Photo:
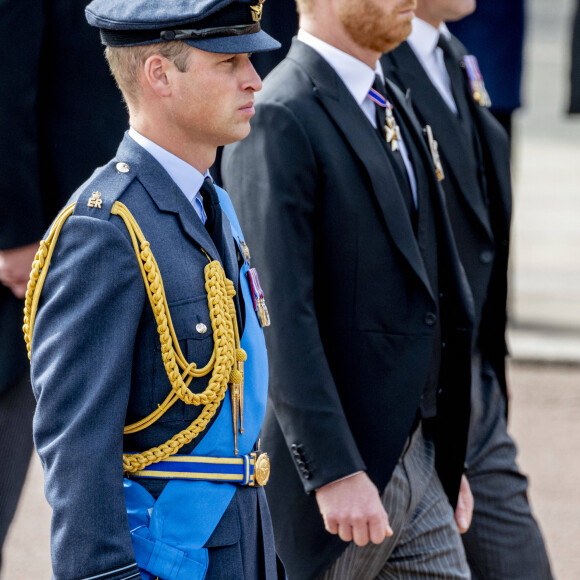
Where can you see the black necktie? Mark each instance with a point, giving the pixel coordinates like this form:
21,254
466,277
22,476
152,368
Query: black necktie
399,166
213,211
457,77
213,224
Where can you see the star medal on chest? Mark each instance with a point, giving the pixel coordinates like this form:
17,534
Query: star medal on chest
478,90
392,130
258,297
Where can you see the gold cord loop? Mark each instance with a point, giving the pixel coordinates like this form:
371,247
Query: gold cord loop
225,364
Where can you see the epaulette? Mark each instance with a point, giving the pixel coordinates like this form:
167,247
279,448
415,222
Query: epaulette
99,193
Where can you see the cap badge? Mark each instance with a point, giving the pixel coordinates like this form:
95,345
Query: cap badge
257,11
95,200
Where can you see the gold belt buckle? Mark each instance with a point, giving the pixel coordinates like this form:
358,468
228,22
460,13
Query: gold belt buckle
261,469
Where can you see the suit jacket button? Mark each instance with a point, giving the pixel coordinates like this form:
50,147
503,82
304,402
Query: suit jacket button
486,257
430,319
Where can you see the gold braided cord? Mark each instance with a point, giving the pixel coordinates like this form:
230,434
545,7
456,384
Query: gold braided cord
222,364
38,275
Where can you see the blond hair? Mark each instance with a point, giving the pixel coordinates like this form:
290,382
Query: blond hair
125,63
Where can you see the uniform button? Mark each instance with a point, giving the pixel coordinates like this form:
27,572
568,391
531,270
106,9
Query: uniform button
307,475
430,319
122,167
293,446
443,344
486,257
439,391
201,328
301,464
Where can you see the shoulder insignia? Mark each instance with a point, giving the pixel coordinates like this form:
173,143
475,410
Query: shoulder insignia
95,200
96,197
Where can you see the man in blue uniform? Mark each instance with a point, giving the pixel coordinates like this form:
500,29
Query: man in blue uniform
143,318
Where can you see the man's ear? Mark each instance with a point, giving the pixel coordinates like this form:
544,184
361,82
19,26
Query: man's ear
155,71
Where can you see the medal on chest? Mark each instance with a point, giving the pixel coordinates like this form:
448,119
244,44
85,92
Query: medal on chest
478,90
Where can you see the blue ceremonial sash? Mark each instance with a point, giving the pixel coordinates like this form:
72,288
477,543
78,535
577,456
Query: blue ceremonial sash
169,534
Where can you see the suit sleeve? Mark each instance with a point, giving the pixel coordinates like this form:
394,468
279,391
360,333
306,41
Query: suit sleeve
275,182
82,353
21,32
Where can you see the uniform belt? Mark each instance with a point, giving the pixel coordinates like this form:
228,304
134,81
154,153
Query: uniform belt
252,469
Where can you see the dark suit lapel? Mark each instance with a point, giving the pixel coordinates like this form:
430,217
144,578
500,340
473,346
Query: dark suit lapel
364,141
498,155
403,66
495,143
165,193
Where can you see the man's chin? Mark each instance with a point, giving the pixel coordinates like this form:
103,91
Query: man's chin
242,133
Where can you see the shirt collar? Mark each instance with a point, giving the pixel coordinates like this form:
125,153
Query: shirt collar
424,37
355,74
186,177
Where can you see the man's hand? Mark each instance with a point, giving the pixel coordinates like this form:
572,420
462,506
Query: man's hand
15,266
352,508
464,509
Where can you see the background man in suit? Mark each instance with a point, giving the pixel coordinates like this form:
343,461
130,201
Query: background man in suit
133,310
504,540
365,289
60,115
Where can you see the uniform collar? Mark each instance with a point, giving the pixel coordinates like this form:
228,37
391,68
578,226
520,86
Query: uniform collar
186,177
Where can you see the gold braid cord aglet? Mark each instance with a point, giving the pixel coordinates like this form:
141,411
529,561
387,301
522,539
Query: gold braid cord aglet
225,364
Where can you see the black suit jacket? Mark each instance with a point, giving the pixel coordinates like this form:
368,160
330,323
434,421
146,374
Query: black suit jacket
350,298
480,214
60,116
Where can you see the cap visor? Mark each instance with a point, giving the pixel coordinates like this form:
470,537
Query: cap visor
257,42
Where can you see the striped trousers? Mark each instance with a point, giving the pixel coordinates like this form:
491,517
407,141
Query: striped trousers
426,543
504,540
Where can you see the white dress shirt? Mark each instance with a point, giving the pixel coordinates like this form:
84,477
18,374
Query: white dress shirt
423,40
185,176
358,79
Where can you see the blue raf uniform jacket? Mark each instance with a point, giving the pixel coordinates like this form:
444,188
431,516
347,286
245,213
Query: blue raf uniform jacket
97,366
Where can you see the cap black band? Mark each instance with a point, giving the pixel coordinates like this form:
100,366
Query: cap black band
210,32
135,37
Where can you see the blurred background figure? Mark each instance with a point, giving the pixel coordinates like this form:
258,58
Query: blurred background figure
281,21
494,33
574,105
59,113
